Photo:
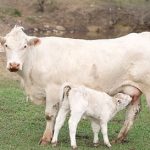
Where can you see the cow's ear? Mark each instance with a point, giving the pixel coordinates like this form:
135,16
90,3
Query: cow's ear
2,40
34,41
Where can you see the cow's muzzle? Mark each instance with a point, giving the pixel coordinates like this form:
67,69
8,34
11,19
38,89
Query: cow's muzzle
14,67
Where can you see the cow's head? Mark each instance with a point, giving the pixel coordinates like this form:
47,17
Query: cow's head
122,100
17,44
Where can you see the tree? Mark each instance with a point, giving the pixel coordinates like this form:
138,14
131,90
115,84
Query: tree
41,4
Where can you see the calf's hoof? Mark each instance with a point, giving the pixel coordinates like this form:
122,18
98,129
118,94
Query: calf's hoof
74,147
96,144
108,145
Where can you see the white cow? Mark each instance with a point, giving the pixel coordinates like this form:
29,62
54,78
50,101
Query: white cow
80,102
107,65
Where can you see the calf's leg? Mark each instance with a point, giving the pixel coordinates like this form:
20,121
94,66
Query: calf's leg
95,127
59,122
105,134
73,122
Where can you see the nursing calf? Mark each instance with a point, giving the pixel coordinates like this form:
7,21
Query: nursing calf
82,101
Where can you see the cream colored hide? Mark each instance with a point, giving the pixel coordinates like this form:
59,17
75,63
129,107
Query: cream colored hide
107,65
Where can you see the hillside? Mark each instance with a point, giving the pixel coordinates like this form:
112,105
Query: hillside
75,18
88,19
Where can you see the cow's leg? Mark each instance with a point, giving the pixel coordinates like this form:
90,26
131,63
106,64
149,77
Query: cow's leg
51,110
147,95
95,128
50,121
132,111
47,136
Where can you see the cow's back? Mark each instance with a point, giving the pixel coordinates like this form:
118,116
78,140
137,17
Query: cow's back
99,64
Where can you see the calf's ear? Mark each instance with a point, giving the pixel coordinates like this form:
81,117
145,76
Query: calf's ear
2,40
34,41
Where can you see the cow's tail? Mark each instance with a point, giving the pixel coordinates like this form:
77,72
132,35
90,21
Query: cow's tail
65,91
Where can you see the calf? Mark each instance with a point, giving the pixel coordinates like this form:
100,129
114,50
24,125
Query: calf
85,102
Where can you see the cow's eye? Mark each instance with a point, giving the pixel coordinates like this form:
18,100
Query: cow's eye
6,45
119,101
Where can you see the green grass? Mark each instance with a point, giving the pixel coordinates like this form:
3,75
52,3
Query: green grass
14,12
22,125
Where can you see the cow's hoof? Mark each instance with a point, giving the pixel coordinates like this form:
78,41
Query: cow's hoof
123,141
54,144
95,144
44,141
117,141
114,141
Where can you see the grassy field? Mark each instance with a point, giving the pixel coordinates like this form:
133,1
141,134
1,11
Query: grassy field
22,124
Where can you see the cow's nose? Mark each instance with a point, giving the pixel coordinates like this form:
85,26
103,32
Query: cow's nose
14,67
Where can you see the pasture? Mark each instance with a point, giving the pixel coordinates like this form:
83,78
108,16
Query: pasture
22,125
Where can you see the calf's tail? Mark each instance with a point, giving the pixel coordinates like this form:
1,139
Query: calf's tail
65,91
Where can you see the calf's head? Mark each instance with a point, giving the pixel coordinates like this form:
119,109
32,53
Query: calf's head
17,45
122,100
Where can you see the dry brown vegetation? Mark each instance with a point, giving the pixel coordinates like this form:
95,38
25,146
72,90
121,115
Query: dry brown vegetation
80,18
88,19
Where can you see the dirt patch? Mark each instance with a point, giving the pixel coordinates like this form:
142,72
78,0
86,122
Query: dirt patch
81,19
